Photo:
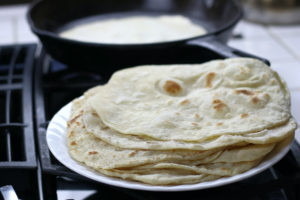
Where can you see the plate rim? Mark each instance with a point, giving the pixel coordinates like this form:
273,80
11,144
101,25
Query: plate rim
60,119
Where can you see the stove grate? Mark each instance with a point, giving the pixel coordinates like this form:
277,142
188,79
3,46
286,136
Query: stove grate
17,148
18,161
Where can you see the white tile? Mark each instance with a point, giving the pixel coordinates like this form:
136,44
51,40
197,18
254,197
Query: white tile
296,110
293,61
290,72
5,24
297,135
22,25
251,30
296,104
12,11
6,31
6,40
285,31
267,48
26,38
293,43
24,34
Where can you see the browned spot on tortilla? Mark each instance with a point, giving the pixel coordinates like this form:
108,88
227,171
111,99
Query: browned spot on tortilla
177,113
194,124
244,115
273,81
218,105
243,71
133,153
94,114
76,117
267,96
104,128
78,123
73,143
168,123
71,134
185,102
197,116
209,78
217,101
172,87
219,124
244,91
265,76
93,152
148,143
255,100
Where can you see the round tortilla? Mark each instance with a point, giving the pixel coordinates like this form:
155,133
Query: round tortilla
135,29
194,102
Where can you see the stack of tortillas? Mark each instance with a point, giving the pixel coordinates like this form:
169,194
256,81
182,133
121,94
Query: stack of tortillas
181,124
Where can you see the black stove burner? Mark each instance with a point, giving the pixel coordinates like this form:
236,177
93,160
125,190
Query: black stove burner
38,175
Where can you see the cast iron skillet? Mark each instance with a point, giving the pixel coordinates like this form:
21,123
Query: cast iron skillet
219,17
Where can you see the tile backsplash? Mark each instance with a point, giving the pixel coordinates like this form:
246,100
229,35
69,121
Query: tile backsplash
13,25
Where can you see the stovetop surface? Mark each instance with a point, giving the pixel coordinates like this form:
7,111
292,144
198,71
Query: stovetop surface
33,88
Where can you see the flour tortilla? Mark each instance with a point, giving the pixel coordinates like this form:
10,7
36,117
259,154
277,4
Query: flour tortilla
161,179
95,125
135,29
238,96
174,174
218,169
85,147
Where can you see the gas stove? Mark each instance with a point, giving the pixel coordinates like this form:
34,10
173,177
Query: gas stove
33,87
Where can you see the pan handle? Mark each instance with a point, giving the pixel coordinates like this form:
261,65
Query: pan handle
213,44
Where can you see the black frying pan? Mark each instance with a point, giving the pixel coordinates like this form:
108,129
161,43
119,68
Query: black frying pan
219,17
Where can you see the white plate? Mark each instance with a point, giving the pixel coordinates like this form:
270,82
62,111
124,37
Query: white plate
57,142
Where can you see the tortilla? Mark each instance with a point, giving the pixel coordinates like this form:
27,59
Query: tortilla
95,126
135,29
194,102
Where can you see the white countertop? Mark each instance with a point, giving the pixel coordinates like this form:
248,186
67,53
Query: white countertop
279,44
